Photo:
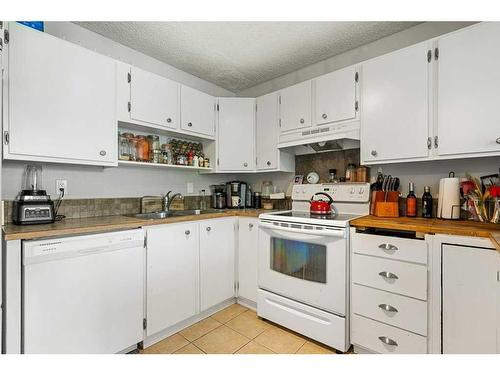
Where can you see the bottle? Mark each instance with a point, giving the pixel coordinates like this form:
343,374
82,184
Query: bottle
203,202
411,201
333,175
427,203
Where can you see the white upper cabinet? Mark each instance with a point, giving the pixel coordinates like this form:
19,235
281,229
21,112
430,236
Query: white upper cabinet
395,106
217,261
335,96
236,134
468,110
296,106
197,111
59,100
154,99
267,132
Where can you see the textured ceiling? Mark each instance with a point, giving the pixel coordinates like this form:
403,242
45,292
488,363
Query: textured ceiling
239,55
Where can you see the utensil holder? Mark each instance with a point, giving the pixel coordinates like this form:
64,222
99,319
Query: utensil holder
385,204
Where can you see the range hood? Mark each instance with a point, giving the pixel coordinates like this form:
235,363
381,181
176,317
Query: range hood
321,139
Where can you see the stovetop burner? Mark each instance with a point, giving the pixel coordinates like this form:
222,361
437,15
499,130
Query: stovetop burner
308,215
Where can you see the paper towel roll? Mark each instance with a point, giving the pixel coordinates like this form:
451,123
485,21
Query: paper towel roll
449,198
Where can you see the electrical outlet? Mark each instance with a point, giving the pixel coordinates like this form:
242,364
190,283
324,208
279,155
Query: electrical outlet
62,184
190,188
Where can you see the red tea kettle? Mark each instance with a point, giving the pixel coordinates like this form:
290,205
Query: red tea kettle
321,207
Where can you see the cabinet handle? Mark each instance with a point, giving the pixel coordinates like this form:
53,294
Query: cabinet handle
374,153
301,120
190,124
268,163
169,120
436,141
386,307
388,275
498,140
429,143
187,232
250,225
102,153
388,341
324,116
209,229
387,246
245,164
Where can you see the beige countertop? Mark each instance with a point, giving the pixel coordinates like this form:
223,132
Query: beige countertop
433,226
107,223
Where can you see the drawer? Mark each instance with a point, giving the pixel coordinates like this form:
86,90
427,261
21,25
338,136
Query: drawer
391,275
385,339
402,312
390,247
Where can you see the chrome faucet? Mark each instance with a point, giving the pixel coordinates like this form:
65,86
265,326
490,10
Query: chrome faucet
167,200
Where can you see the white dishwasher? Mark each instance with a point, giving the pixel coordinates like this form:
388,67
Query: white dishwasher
83,294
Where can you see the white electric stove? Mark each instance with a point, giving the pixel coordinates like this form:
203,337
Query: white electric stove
304,263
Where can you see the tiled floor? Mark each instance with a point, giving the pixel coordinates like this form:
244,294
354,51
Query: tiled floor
236,330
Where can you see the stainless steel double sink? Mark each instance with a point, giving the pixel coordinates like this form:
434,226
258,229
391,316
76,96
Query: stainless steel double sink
166,214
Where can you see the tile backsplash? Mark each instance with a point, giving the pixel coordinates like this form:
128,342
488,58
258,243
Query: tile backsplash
322,162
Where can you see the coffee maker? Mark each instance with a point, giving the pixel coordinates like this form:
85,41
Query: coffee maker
236,194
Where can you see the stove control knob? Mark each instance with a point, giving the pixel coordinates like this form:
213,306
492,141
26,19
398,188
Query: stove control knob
361,190
353,190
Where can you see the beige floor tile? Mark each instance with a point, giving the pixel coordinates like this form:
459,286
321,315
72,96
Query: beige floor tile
189,349
222,340
248,324
167,346
199,329
313,348
253,348
280,341
229,313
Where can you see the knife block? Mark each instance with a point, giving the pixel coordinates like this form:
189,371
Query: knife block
385,208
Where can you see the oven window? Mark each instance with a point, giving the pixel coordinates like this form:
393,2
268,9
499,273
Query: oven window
306,261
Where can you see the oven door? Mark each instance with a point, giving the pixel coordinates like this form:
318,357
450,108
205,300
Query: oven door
306,263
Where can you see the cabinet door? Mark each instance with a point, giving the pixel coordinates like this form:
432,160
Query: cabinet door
470,292
394,105
197,111
172,275
468,95
267,132
236,134
60,105
154,99
295,106
217,245
336,96
247,258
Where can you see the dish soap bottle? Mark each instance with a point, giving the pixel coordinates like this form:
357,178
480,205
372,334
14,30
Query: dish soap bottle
411,201
427,203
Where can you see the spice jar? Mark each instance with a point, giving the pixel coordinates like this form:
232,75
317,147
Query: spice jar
361,174
142,147
206,163
350,173
201,161
190,158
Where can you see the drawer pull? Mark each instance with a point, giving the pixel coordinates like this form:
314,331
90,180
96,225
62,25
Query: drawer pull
388,341
386,307
387,246
388,275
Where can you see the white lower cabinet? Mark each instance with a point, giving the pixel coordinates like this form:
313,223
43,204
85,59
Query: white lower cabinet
247,258
217,261
470,300
172,275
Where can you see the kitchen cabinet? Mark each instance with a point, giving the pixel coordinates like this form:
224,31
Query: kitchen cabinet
58,100
154,99
296,107
172,274
217,261
470,300
197,111
395,106
236,135
247,258
267,132
468,114
335,96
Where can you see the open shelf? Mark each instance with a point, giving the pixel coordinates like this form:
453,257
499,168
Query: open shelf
158,165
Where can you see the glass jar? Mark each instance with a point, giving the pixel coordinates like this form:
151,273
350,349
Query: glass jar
267,189
167,154
133,148
142,147
157,157
154,143
123,146
350,173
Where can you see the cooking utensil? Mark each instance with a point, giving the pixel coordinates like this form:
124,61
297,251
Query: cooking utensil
320,207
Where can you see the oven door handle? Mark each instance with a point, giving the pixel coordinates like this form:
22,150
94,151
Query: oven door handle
320,233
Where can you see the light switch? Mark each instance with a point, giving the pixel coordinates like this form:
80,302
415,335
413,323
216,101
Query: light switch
190,188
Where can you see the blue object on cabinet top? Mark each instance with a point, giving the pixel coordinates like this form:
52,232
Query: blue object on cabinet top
37,25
